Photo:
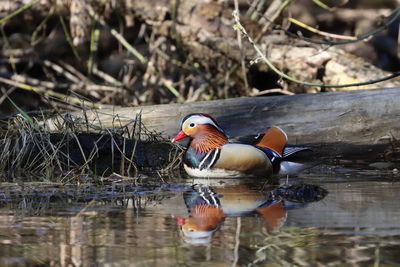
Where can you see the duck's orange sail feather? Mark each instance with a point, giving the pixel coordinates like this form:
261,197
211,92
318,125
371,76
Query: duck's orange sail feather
274,138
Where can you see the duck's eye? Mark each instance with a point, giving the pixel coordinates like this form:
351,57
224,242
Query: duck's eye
191,125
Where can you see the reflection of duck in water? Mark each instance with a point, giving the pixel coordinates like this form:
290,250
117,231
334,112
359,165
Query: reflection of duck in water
208,207
274,215
206,215
203,221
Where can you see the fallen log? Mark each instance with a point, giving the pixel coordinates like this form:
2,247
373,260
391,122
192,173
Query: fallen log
363,117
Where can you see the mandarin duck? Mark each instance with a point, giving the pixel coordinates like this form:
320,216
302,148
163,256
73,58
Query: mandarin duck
210,153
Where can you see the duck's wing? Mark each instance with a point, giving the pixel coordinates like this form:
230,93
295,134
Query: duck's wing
274,139
292,149
246,139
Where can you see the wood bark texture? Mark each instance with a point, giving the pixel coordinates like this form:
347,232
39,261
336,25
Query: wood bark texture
364,117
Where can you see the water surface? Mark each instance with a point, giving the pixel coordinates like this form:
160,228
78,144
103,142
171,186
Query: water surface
221,224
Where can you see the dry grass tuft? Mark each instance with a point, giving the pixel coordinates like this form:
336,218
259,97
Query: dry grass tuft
79,151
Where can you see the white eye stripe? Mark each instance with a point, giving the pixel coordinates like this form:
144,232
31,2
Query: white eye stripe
200,120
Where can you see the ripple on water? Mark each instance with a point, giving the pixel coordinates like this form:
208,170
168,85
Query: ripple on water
356,222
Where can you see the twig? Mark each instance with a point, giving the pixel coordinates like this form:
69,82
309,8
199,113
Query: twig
41,26
71,74
16,12
92,63
242,56
136,53
38,90
240,27
237,241
394,16
58,69
273,91
74,71
69,39
327,34
43,85
7,44
106,77
322,5
77,81
104,88
91,203
274,11
94,44
6,94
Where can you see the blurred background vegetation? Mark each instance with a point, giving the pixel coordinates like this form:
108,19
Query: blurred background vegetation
56,55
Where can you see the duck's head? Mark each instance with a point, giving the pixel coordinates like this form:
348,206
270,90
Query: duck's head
198,124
